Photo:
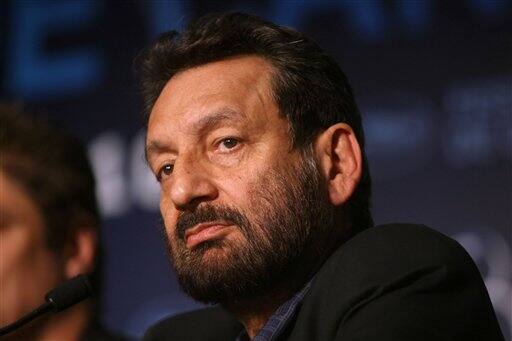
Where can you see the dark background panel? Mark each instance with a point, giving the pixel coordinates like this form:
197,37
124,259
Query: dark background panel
433,80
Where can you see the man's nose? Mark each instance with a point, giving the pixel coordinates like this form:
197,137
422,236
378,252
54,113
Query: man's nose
191,185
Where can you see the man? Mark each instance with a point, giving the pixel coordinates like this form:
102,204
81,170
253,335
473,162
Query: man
48,228
256,140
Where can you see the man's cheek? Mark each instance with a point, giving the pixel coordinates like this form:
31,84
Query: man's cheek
164,203
170,230
169,227
169,215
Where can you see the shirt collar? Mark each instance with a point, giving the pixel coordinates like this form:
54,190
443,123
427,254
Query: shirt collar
279,320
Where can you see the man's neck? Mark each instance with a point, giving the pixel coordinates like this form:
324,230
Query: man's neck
254,313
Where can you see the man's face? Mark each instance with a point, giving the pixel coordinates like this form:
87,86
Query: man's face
28,269
239,205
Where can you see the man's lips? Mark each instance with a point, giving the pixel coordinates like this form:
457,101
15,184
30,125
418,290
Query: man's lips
204,232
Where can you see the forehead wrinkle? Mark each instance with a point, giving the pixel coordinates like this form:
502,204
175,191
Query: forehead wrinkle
213,120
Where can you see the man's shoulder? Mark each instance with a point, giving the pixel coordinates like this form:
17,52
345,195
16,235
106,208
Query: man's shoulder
388,252
212,323
418,242
398,282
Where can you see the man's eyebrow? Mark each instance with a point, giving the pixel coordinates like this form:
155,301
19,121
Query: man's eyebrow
153,147
201,126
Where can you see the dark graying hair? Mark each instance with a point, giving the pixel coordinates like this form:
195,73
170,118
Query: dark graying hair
309,87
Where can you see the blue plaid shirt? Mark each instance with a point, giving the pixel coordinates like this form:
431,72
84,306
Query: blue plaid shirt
279,320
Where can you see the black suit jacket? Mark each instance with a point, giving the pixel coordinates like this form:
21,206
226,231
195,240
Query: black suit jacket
387,283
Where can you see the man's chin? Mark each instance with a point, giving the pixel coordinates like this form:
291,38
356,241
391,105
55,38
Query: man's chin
207,271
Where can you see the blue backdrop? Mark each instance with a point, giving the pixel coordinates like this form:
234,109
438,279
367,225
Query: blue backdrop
433,80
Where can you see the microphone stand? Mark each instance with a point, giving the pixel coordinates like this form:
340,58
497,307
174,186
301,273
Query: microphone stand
63,296
42,309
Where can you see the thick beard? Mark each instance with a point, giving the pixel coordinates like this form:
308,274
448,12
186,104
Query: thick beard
289,212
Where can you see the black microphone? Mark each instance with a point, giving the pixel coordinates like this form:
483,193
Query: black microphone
63,296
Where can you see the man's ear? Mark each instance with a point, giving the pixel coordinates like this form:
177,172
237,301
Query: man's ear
80,256
340,160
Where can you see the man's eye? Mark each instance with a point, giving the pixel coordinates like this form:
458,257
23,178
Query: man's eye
228,143
165,171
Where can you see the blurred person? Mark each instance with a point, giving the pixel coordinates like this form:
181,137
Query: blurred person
49,228
255,138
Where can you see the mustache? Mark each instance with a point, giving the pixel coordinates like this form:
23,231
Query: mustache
208,213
